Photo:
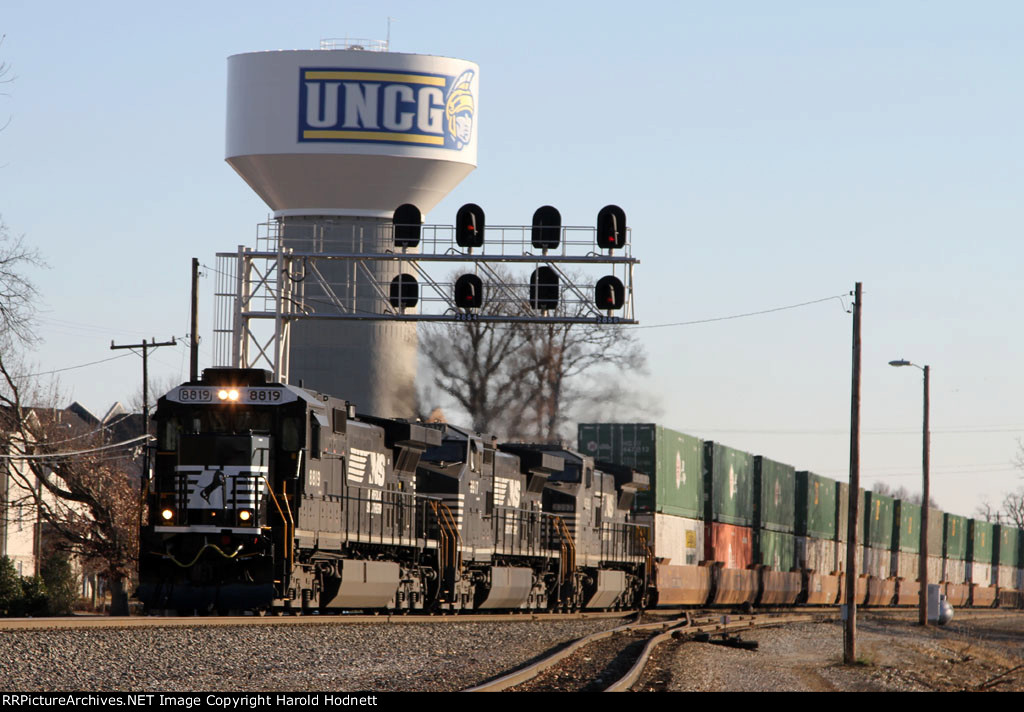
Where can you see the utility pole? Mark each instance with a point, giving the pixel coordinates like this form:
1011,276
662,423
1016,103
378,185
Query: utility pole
925,495
122,605
145,346
194,336
922,564
850,639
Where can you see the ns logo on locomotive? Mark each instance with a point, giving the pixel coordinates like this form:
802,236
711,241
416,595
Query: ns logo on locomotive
265,495
360,105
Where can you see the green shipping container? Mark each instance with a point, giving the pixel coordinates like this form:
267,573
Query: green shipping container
878,516
774,495
843,512
936,527
673,461
815,506
729,485
1008,541
907,520
775,549
956,537
980,544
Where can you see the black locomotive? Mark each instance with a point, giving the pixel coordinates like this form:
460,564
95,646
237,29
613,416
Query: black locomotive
268,496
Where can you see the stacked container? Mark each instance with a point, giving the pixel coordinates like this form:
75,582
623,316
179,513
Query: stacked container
980,555
672,507
878,547
774,526
842,525
954,554
878,543
936,542
906,520
728,522
817,541
1008,571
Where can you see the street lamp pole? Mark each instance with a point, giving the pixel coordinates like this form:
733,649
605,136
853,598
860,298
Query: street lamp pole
922,564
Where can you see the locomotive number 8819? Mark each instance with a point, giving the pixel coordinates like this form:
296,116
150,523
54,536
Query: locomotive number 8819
269,496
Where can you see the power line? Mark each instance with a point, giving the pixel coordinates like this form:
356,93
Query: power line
741,316
874,431
75,453
70,368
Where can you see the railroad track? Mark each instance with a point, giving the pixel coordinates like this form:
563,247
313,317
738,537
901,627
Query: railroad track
99,621
613,661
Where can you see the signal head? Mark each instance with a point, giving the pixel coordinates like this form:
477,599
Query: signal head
609,293
469,292
544,289
546,233
469,226
407,221
611,227
405,291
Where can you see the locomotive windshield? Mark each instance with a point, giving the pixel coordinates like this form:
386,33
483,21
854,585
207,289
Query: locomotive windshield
448,451
215,449
228,421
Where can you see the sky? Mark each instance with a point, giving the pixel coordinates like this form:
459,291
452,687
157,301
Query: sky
766,154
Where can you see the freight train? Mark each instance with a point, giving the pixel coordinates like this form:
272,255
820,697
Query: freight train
732,528
270,497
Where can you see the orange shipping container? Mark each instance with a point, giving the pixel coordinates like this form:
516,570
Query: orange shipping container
730,544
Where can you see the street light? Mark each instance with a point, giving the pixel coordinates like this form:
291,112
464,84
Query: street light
922,568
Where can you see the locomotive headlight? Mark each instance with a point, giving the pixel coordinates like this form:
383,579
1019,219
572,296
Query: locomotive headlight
167,514
222,394
245,515
228,395
233,395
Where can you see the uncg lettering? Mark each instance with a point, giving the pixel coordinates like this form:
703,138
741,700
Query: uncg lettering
374,106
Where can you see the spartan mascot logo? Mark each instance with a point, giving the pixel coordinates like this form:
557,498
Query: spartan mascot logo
458,109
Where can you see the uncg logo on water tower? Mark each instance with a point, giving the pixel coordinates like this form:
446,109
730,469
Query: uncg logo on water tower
360,105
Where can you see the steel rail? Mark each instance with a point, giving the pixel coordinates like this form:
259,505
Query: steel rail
728,623
103,621
529,672
688,625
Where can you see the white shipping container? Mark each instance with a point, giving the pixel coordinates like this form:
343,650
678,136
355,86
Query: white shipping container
979,573
954,571
679,539
817,555
906,565
877,562
841,556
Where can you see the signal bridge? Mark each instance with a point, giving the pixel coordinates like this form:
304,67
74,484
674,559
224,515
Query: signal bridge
542,273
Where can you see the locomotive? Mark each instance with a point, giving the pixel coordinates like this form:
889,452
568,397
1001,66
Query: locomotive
270,497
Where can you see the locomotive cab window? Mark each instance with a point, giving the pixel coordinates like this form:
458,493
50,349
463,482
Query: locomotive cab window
169,434
314,436
291,434
340,418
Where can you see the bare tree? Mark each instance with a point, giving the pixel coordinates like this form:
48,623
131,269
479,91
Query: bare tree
5,70
530,380
990,514
1012,510
573,367
902,493
473,363
77,484
18,295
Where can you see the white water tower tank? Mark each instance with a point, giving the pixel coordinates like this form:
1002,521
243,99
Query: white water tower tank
333,140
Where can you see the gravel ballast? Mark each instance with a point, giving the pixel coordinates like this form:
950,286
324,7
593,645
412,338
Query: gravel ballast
349,657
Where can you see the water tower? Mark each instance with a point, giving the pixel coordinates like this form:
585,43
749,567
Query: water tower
333,140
